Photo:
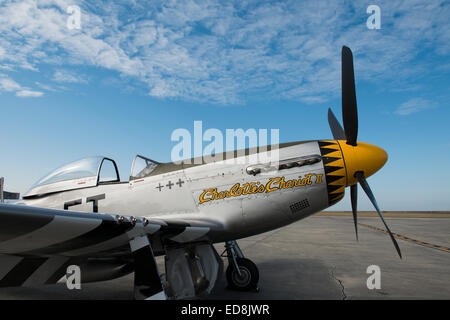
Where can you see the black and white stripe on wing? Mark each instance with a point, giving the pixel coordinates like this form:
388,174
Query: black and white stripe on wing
20,272
190,234
105,231
31,271
54,267
37,244
10,228
59,230
110,245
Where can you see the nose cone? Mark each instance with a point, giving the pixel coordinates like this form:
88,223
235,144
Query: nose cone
362,157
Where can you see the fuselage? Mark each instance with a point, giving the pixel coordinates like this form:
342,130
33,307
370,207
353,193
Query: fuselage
235,201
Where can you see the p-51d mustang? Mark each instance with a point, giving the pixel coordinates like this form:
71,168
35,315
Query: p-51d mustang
81,214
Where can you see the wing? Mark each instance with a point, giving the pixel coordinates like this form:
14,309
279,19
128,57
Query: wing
37,244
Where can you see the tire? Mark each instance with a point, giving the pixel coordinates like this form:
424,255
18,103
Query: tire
249,272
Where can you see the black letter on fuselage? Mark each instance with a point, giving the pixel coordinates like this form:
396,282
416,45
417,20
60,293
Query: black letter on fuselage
71,203
95,200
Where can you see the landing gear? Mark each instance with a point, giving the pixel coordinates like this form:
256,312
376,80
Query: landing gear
246,279
242,274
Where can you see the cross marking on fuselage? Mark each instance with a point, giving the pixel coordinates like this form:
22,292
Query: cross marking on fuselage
159,186
180,182
170,184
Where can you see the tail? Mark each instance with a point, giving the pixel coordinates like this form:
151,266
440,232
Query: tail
5,195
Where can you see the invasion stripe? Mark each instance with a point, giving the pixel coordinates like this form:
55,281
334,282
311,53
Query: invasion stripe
60,272
190,234
20,273
9,228
60,229
105,231
45,271
113,243
7,263
173,229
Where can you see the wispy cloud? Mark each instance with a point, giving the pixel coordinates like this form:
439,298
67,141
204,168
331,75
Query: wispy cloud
414,105
9,85
28,93
45,86
220,52
68,77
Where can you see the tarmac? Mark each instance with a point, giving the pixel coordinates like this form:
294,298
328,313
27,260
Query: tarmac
318,258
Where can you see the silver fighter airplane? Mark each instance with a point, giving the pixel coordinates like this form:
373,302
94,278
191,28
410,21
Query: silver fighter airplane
82,214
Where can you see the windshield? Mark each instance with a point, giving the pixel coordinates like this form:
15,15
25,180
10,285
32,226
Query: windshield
87,167
142,167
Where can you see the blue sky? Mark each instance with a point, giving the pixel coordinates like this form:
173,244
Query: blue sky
137,70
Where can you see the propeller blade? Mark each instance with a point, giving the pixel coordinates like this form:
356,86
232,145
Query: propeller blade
362,180
354,197
335,126
349,107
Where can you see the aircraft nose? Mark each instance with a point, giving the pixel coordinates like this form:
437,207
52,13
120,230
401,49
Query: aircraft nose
362,157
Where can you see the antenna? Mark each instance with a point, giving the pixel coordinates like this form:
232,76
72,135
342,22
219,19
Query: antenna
2,181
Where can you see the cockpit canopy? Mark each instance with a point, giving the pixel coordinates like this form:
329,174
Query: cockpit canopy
87,172
142,167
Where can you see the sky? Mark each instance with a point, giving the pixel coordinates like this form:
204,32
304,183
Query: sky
135,71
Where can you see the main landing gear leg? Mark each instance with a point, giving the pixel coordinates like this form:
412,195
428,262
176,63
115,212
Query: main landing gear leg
242,274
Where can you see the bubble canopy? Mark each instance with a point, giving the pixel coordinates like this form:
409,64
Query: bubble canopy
78,174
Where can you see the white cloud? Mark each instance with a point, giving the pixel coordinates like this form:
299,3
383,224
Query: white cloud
45,86
414,105
7,84
215,51
28,93
68,77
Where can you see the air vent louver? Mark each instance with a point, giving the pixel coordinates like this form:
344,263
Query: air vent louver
299,206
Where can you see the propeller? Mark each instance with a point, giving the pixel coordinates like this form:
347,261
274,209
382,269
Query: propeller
363,182
354,198
350,134
349,108
335,126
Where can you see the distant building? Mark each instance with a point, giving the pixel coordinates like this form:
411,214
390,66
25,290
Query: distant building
5,195
11,195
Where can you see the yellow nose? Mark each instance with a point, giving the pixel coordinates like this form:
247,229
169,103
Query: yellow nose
362,157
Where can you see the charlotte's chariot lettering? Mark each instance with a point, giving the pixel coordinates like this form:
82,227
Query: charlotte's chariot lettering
278,183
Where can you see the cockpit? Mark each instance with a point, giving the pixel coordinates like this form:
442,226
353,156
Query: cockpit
142,167
89,172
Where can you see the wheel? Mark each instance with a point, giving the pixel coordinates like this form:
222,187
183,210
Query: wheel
249,275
